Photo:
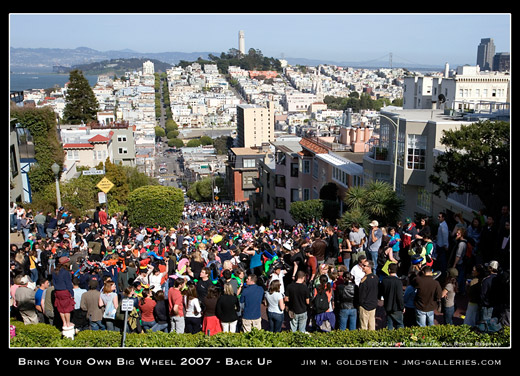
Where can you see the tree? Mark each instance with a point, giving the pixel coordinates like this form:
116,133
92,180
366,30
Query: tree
159,132
206,140
41,123
81,104
177,142
376,200
306,211
476,161
155,205
193,143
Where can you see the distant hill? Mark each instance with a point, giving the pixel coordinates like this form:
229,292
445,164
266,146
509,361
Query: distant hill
120,66
30,60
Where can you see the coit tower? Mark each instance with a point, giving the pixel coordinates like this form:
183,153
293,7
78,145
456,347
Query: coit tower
241,42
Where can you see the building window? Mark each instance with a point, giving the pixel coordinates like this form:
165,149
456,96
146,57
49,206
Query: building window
249,163
14,164
247,180
280,203
400,149
306,166
295,194
315,171
416,152
73,155
294,170
123,150
280,181
306,194
424,200
121,138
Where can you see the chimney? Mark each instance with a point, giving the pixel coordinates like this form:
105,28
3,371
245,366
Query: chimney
348,120
446,70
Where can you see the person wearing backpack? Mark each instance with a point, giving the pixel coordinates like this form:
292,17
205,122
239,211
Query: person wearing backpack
323,305
368,297
346,301
458,256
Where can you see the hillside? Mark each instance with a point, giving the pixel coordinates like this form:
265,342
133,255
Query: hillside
120,66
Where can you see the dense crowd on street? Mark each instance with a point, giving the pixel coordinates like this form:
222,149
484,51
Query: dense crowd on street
214,272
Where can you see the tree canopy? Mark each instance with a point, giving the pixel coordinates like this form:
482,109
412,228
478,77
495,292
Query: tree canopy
476,161
81,104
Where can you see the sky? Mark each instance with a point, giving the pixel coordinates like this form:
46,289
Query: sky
422,38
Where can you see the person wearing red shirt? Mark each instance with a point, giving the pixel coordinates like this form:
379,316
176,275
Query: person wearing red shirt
146,306
103,217
175,302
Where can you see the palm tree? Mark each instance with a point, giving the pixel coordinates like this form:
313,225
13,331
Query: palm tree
376,200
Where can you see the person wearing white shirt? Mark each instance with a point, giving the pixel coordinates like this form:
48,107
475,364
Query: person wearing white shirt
357,271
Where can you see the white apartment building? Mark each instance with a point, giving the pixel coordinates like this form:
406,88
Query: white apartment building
148,68
468,90
299,102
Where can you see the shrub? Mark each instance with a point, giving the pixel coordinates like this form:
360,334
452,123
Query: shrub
42,335
155,204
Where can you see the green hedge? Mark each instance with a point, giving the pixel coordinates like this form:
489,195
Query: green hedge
42,335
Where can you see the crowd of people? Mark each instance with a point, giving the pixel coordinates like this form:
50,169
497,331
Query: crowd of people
214,272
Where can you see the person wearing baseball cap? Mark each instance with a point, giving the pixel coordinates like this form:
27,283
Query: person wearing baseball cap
488,293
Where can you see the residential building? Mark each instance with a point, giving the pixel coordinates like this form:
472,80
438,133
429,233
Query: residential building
468,90
242,170
418,143
255,125
94,143
21,157
148,68
263,201
288,187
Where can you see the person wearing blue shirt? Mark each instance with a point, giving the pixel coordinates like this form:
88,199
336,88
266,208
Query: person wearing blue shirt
252,297
39,298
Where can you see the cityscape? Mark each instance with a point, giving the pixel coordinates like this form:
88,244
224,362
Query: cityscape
268,133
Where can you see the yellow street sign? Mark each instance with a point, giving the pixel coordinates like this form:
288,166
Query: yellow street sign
105,185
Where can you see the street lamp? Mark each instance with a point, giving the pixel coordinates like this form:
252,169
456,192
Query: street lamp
396,125
56,169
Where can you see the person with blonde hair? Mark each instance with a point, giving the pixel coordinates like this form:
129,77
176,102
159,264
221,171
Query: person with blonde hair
108,299
227,308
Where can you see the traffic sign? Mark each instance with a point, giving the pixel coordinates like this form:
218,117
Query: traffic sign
127,305
105,185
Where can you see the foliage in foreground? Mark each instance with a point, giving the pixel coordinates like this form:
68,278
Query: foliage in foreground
42,335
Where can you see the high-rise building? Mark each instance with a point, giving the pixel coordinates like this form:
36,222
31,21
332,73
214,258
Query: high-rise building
241,42
485,54
255,125
501,62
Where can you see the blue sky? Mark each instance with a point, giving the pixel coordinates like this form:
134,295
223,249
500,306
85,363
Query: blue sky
419,38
